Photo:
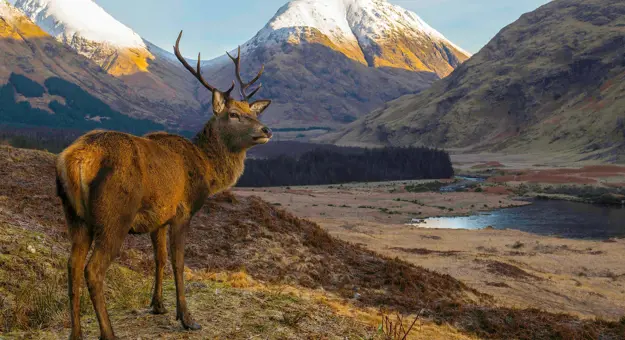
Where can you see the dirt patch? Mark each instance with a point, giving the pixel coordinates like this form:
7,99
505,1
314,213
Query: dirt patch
430,237
543,178
423,251
553,249
497,284
488,165
496,190
584,175
506,269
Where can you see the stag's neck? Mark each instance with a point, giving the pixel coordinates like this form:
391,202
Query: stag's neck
224,166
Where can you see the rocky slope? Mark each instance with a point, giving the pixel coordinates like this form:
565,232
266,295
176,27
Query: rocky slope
551,81
148,70
329,62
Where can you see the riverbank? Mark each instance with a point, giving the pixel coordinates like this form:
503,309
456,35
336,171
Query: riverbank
521,270
536,177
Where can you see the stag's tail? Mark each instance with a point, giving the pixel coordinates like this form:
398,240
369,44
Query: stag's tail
70,183
76,168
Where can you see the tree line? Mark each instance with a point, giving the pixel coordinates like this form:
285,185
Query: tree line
324,166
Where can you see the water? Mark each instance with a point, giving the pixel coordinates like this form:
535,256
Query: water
559,218
463,183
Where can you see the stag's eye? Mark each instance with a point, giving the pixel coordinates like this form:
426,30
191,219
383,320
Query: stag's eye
234,115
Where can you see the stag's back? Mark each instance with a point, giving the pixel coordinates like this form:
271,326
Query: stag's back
105,171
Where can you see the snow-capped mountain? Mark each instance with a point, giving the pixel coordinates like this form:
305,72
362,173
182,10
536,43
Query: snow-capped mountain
46,83
85,19
328,62
92,32
567,100
374,32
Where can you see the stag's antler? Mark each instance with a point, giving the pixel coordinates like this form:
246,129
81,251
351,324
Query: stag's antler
243,85
197,72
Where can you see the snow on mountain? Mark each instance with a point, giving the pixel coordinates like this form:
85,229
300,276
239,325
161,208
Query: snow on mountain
6,10
328,62
92,32
373,32
142,67
68,19
363,21
375,20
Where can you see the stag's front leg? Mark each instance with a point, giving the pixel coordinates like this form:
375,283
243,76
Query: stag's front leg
159,245
177,234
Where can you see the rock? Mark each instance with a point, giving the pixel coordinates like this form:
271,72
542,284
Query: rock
612,199
31,249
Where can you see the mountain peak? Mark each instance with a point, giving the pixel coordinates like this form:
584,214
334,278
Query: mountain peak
373,32
68,19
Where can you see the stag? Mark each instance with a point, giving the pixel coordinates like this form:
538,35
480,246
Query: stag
112,184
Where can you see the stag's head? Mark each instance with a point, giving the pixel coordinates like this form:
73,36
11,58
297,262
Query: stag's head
236,121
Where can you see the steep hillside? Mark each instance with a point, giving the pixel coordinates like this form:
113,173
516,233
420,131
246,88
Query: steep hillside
329,62
551,81
162,84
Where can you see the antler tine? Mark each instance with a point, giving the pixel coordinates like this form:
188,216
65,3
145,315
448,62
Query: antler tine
243,85
197,73
230,89
253,92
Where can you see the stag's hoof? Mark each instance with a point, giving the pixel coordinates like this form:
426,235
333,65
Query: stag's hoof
192,326
75,337
158,309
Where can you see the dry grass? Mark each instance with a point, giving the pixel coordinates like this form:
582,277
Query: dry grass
254,242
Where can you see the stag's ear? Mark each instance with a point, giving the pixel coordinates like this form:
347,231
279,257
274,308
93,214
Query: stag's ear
219,102
259,106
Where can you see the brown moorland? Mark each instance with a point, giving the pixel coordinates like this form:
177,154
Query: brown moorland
273,245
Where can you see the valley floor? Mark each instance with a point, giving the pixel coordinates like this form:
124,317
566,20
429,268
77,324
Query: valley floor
581,277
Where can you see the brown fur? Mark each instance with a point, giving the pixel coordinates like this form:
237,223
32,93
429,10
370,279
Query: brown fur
113,183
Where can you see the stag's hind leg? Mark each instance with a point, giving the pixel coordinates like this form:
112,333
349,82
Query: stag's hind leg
106,247
159,245
81,242
177,235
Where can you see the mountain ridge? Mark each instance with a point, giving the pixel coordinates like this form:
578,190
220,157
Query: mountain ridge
329,62
39,75
551,81
360,29
149,70
317,76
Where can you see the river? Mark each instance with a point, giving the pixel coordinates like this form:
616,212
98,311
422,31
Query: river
545,217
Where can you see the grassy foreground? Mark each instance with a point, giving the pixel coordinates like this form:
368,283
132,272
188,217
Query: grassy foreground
254,271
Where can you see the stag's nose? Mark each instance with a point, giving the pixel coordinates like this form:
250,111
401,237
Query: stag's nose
267,131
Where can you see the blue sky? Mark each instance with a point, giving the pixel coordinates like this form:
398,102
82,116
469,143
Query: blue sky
212,27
